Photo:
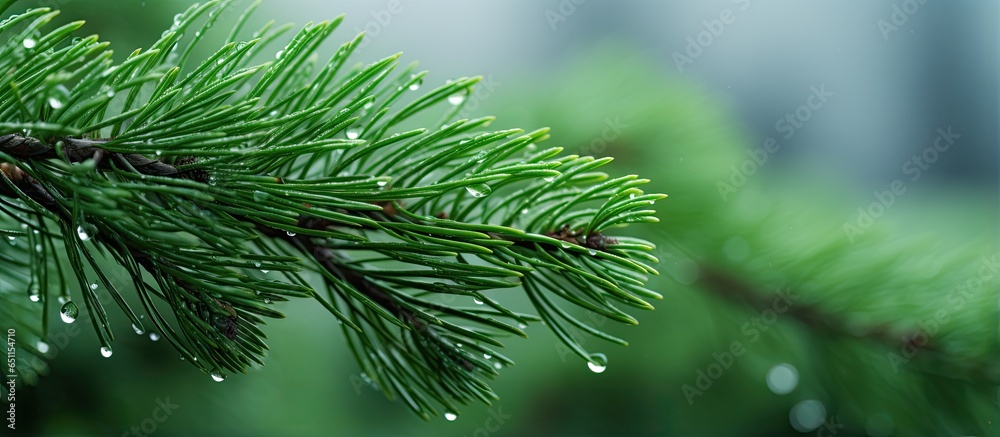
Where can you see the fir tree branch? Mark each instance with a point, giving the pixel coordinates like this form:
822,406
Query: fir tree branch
197,179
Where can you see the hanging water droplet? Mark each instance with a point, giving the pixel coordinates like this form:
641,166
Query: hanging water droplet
218,376
565,245
524,211
353,133
477,301
86,231
256,264
34,297
479,190
290,233
220,61
497,365
177,19
264,272
93,286
154,336
38,248
487,356
137,329
592,252
456,99
521,326
450,416
106,352
30,43
55,103
110,93
458,344
69,312
11,237
549,179
414,86
279,55
42,346
382,183
597,363
159,152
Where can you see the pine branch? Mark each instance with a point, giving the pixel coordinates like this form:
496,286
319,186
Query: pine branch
224,186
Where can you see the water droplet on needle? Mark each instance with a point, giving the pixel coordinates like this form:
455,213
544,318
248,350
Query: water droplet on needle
69,312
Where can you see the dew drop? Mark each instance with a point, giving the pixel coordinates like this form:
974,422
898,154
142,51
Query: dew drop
487,356
521,326
86,231
42,346
110,93
106,352
353,133
382,183
159,152
256,264
565,245
55,103
549,179
30,43
597,363
218,376
497,365
290,233
456,99
38,248
479,190
154,336
34,297
93,286
592,252
137,329
69,312
415,86
450,416
279,55
477,301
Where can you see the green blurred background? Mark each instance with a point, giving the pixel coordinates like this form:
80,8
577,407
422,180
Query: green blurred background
613,79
